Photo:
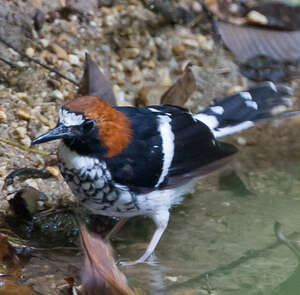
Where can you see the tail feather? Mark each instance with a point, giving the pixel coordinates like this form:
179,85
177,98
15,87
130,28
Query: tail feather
240,111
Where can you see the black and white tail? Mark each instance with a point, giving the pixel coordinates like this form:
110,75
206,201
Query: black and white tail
240,111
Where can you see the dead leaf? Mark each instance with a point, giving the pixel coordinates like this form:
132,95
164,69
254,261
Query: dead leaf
100,275
247,42
181,90
95,83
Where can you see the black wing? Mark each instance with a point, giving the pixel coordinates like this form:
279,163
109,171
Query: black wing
195,152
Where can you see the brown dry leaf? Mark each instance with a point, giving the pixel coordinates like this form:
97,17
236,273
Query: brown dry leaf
181,90
100,275
11,266
95,83
247,42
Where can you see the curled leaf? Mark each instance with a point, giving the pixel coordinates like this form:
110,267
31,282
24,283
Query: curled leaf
100,275
95,83
181,90
246,42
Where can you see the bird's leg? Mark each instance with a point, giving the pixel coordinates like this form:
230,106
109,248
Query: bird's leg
116,228
161,221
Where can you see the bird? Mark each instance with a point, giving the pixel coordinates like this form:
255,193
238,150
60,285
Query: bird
125,161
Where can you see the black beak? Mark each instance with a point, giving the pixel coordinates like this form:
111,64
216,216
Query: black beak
60,131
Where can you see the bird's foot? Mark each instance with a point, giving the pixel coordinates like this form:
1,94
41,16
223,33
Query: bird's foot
150,261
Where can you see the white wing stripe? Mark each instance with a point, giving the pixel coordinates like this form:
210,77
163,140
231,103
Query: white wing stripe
167,137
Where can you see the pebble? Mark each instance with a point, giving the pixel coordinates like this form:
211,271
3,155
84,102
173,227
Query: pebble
49,57
172,279
257,18
74,59
190,43
20,132
178,49
149,64
63,37
53,170
21,64
278,110
3,116
60,52
129,52
93,23
44,42
119,93
26,140
32,183
24,114
29,52
3,171
57,94
241,140
205,43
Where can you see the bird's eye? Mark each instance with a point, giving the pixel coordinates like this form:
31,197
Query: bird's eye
88,125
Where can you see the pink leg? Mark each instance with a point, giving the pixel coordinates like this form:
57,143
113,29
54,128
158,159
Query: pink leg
161,221
116,228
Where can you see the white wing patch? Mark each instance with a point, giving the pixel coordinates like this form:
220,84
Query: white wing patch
210,121
232,129
246,95
69,118
167,137
218,110
251,104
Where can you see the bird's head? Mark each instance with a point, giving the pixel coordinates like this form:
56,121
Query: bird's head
89,125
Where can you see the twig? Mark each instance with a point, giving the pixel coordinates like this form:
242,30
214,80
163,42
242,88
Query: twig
24,147
8,62
38,62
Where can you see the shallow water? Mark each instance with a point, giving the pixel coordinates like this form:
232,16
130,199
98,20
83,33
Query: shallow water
218,242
